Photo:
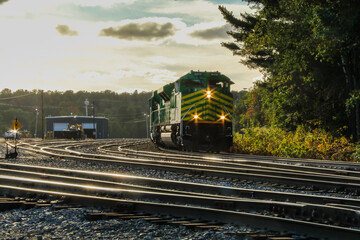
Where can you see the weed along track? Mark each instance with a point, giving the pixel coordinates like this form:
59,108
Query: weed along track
219,190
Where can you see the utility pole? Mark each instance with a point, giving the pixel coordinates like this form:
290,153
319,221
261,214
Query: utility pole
42,114
147,125
93,107
86,106
16,132
36,120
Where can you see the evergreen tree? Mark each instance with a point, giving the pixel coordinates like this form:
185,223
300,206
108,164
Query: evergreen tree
308,53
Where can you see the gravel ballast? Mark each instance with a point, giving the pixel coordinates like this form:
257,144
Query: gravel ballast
45,223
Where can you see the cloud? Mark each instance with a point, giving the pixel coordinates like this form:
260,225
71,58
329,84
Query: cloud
193,11
162,47
66,31
211,33
140,31
101,3
3,1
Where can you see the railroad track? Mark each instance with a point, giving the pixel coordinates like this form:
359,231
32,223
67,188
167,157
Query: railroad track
204,206
319,216
315,178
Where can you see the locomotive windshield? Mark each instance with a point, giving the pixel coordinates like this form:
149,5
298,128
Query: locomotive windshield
192,83
216,83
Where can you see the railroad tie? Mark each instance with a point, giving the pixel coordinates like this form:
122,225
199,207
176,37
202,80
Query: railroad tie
210,227
13,203
281,238
94,216
8,205
61,207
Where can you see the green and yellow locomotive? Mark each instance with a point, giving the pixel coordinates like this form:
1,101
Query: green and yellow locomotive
193,113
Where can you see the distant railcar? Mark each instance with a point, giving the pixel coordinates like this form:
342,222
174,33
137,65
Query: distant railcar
193,113
74,131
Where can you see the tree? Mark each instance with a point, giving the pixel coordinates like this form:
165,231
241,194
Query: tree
125,111
336,27
303,78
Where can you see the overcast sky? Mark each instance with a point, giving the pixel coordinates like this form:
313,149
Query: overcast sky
118,45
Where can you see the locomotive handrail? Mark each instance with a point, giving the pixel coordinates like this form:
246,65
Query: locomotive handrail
153,124
228,112
188,111
181,122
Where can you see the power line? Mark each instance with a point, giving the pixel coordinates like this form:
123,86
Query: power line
13,105
135,115
31,106
138,121
16,96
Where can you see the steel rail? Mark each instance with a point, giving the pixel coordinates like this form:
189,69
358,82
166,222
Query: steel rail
177,155
154,184
337,215
215,171
238,168
247,161
250,219
226,156
231,204
262,158
241,168
93,179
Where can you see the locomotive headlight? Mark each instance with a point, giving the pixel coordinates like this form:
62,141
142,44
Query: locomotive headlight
196,116
222,117
208,94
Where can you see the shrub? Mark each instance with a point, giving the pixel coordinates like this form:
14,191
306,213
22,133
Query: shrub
299,144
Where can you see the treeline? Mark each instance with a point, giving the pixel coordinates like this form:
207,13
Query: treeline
309,54
125,111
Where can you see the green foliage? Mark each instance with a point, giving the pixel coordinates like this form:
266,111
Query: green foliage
302,143
352,100
125,111
239,110
309,53
356,154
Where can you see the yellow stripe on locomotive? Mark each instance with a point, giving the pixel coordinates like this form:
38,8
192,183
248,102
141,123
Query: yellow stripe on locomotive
212,105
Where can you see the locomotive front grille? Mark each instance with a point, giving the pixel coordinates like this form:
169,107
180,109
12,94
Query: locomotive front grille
200,106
